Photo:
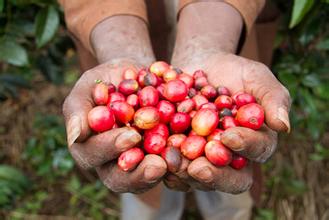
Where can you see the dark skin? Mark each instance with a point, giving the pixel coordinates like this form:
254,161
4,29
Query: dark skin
207,38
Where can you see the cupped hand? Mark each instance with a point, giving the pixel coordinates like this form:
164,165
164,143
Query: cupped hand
240,74
101,150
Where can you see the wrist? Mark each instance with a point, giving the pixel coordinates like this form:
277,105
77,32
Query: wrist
122,38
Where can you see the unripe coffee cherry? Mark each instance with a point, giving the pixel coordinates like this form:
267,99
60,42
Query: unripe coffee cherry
169,75
100,119
205,121
129,73
147,117
133,100
129,159
159,68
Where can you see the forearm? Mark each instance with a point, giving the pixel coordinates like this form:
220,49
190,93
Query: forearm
206,28
122,37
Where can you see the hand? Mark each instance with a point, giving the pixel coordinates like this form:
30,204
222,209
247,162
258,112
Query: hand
101,150
240,74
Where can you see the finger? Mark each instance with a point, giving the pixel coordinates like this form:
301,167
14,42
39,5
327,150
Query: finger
272,95
225,179
255,145
175,183
106,146
146,175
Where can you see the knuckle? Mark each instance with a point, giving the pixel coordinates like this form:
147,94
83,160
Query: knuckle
245,185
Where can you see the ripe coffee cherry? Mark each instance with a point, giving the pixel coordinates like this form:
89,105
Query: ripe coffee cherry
111,88
186,106
169,75
193,146
236,94
128,86
123,111
200,82
100,119
150,79
221,90
133,100
251,116
166,111
225,112
217,153
129,73
173,158
209,105
176,140
160,128
238,162
215,135
116,96
199,101
159,68
187,79
148,96
228,122
209,92
147,117
140,77
192,92
100,94
205,121
192,133
192,113
180,122
224,101
160,89
154,143
199,73
129,159
244,99
175,91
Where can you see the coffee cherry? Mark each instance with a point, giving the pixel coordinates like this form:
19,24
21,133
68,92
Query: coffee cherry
154,143
221,90
100,94
215,135
176,140
175,91
217,153
166,111
200,82
100,119
209,92
116,96
111,88
160,89
133,100
199,73
224,101
244,99
193,146
160,128
148,96
129,159
173,158
187,79
150,79
251,116
186,106
128,86
192,113
140,76
159,68
205,121
169,75
147,117
238,162
199,101
228,122
129,73
180,122
123,111
209,105
192,92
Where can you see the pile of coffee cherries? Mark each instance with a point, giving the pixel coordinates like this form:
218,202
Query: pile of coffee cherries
178,115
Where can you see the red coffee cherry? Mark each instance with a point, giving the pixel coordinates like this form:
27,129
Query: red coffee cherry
205,121
215,135
159,68
123,112
100,119
169,75
128,86
209,105
238,162
221,90
100,94
251,116
133,100
209,92
217,153
176,140
228,122
244,99
175,91
148,96
129,73
199,101
154,143
193,146
166,111
111,88
187,79
200,82
116,96
129,159
180,122
160,128
186,106
224,101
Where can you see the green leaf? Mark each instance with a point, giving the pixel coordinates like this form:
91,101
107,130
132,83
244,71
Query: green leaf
1,5
323,45
13,53
300,9
47,22
12,174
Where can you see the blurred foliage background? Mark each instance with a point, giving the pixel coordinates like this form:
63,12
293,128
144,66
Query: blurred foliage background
38,66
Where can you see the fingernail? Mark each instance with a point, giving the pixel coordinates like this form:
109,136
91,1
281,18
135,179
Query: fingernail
73,130
203,174
151,174
127,139
233,141
284,117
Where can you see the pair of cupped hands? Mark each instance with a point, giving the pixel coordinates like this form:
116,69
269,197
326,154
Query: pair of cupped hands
101,150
